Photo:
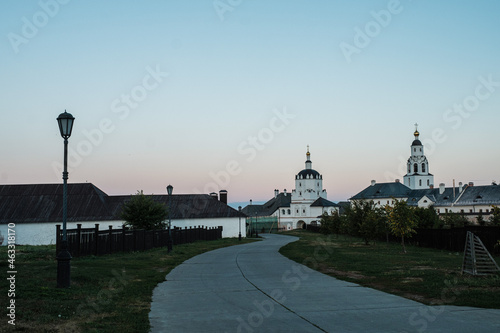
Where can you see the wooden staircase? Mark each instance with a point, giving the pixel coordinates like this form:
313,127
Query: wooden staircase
477,259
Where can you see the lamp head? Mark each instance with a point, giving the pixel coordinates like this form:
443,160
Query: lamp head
65,121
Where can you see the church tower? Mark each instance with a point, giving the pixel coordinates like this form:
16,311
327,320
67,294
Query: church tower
418,176
308,184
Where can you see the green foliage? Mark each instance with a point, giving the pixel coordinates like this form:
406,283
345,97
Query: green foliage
427,218
495,215
454,220
402,220
330,224
365,220
142,212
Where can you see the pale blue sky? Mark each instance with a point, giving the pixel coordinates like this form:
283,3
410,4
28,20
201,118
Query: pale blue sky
217,83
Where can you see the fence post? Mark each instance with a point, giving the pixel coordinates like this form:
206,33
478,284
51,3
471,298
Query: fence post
58,240
96,239
78,238
110,236
134,234
123,237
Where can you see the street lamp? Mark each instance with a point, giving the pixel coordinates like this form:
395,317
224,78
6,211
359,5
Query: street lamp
65,121
239,220
170,188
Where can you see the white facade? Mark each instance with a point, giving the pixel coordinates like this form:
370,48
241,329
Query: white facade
45,233
418,176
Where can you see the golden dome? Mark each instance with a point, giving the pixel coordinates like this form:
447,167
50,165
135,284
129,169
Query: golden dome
416,133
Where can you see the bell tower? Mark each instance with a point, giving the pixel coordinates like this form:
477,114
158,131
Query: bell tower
418,176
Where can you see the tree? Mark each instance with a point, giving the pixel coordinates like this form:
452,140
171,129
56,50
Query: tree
495,215
330,224
402,221
142,212
364,220
427,218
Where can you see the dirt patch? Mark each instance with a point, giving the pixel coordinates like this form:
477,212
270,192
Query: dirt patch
412,279
350,274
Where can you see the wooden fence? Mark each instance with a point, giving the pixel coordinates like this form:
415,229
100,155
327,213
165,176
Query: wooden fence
452,239
92,241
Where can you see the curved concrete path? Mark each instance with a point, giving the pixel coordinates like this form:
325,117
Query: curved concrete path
253,288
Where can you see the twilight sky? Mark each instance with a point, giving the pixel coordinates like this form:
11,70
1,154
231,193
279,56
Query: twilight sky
227,94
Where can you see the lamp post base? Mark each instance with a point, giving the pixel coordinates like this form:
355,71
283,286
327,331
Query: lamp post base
63,266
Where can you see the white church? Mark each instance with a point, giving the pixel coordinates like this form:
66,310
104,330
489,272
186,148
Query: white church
418,190
304,206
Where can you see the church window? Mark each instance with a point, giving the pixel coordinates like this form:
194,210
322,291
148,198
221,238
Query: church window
414,150
428,182
297,211
415,167
420,149
283,211
300,184
423,167
420,182
289,212
300,193
470,210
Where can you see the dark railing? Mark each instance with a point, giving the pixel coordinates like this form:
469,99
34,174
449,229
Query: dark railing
92,241
451,239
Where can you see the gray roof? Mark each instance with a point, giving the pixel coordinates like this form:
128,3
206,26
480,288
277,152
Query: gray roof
383,190
269,207
470,195
321,202
86,202
480,195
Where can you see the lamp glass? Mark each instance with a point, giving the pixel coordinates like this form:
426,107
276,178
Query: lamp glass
65,121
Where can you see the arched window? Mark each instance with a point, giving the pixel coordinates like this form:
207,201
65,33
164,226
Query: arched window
289,212
415,167
420,182
423,167
428,182
283,211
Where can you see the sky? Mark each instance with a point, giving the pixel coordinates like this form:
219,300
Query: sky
227,94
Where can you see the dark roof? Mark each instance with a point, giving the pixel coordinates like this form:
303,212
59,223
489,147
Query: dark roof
43,203
416,143
269,207
383,190
480,195
86,202
321,202
443,199
308,172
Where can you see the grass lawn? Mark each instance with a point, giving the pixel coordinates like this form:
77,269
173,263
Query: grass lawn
109,293
426,275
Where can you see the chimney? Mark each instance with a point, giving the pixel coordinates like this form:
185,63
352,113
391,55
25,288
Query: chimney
214,195
471,184
250,202
284,192
441,188
460,187
374,182
276,192
223,196
397,180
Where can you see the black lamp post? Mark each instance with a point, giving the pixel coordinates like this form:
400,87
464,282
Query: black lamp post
239,220
65,121
170,188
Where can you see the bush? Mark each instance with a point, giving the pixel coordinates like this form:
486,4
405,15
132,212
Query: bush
142,212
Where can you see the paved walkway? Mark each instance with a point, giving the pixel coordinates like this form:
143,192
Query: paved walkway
252,288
